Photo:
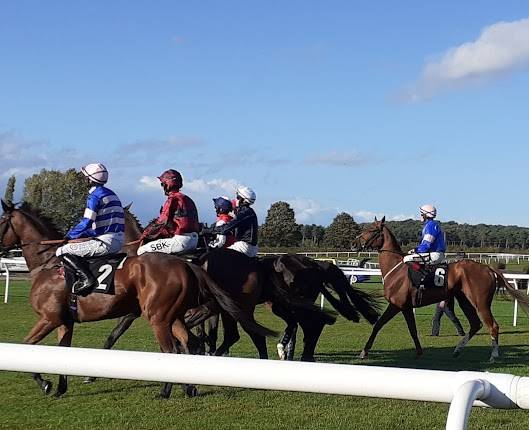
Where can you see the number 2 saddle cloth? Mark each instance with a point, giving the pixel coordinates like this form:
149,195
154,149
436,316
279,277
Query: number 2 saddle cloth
103,268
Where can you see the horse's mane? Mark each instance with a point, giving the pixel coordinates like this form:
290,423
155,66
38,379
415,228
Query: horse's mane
131,217
43,222
393,238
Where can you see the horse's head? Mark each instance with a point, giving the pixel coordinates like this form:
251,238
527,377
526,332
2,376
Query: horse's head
8,222
288,266
372,236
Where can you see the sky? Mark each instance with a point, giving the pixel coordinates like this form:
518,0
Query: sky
371,108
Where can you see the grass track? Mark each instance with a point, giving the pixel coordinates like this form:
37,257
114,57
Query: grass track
131,404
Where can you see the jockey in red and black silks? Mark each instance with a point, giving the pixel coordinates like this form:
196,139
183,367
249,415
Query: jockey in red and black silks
176,229
223,207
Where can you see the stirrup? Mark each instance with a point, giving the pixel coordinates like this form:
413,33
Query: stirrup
81,288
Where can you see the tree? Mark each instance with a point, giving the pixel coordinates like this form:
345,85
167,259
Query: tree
342,232
280,228
60,196
10,189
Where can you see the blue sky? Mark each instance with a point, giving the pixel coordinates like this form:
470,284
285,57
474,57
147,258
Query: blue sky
372,108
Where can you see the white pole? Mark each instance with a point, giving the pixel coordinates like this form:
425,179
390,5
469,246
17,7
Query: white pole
507,391
6,274
515,305
462,402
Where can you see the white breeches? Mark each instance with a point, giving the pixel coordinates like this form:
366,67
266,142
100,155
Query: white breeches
104,244
427,257
245,248
174,245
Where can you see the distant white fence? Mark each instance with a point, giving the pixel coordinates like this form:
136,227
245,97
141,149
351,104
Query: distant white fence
461,389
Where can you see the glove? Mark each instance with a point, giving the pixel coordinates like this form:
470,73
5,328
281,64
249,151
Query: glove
411,251
218,242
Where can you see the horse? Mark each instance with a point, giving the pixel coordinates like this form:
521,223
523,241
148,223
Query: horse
308,278
290,283
160,286
473,285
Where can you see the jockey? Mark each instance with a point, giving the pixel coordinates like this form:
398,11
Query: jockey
103,220
223,207
176,229
432,248
244,226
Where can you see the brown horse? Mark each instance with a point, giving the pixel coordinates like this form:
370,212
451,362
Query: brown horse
162,287
473,284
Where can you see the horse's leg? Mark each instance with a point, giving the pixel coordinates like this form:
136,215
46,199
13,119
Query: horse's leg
388,314
121,327
311,333
167,343
65,333
260,343
186,343
290,347
412,328
40,330
212,333
487,318
287,343
473,319
231,334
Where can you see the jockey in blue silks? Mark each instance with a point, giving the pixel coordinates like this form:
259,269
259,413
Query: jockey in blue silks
103,223
432,248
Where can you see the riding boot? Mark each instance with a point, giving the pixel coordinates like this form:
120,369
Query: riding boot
86,282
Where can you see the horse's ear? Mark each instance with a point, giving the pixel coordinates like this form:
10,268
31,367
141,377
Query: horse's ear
128,206
7,206
376,218
383,220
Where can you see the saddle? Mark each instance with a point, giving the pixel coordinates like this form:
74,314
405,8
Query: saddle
103,268
423,276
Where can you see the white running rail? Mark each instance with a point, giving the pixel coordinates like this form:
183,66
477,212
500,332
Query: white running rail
461,389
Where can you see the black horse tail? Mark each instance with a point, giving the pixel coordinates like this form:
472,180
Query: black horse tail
352,300
228,304
280,295
522,298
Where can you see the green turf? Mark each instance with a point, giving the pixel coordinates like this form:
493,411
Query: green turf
131,404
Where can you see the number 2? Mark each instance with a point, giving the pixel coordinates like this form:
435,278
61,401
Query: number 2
107,270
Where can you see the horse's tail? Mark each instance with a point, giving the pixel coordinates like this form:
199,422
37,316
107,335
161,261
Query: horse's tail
351,300
228,304
522,298
282,297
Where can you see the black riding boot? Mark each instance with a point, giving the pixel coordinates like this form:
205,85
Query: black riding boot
86,282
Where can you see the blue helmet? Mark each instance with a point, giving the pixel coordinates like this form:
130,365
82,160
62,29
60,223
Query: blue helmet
223,205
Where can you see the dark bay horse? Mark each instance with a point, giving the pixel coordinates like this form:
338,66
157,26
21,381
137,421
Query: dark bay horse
307,278
473,285
290,283
159,286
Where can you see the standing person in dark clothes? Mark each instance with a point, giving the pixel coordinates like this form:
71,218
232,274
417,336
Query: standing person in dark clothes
446,307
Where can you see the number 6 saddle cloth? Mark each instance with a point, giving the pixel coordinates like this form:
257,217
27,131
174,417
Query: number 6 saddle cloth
428,275
103,268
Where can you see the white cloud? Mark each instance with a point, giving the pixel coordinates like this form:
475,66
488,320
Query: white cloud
368,216
335,158
309,211
148,183
213,186
500,48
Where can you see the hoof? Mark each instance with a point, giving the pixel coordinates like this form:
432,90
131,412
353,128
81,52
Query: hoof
191,391
47,387
281,351
363,355
89,380
419,354
57,395
456,353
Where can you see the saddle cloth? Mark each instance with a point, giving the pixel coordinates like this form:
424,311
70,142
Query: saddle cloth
429,275
103,268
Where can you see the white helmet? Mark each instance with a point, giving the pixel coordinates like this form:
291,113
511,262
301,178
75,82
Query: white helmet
246,194
428,211
96,172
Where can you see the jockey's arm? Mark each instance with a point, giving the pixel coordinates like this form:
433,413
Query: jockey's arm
229,228
82,229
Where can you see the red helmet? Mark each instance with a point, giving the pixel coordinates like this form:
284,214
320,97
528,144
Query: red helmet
171,180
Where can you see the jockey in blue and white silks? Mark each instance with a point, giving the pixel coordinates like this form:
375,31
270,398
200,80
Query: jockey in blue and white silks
103,219
432,248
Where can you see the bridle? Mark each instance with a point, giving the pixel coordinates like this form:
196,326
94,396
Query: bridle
5,224
376,235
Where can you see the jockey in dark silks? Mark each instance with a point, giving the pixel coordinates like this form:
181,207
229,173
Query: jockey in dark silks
244,226
176,229
223,207
103,220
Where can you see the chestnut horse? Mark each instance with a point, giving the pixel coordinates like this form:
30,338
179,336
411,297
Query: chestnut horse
160,286
473,285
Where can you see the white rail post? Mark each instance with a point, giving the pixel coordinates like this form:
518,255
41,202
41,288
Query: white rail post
515,305
6,274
